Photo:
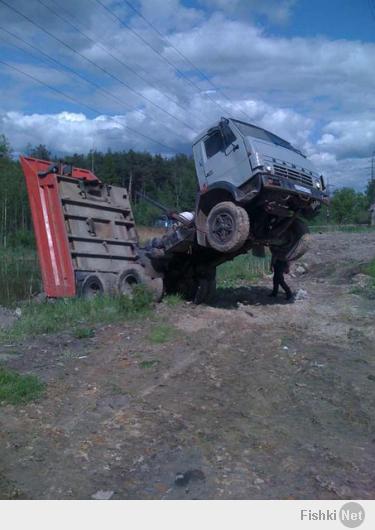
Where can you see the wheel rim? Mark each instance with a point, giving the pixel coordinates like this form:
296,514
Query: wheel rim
128,283
223,227
93,289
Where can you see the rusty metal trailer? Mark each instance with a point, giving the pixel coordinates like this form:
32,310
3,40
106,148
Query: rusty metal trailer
85,232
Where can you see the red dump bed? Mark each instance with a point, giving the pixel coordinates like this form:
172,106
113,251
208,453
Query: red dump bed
49,226
84,229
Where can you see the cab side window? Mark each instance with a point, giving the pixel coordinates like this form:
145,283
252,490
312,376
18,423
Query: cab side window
229,136
216,142
213,144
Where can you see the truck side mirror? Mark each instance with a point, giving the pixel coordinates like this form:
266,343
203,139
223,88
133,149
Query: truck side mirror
322,182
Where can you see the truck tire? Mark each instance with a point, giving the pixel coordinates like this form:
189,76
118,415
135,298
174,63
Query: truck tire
297,244
92,286
228,227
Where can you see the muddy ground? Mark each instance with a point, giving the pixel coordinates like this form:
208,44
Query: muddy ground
247,399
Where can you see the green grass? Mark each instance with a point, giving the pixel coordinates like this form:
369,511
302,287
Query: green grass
173,299
149,364
19,275
341,228
84,333
69,313
242,270
370,269
161,333
17,389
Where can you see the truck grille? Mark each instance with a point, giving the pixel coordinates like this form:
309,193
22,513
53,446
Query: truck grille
292,174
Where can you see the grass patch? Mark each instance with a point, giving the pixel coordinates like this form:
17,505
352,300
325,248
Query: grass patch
243,269
173,299
149,364
369,269
314,229
162,333
17,389
19,275
84,333
64,314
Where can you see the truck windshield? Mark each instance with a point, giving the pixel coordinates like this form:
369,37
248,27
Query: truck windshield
256,132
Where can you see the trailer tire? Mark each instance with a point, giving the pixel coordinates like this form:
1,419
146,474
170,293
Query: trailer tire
156,285
92,285
129,278
228,227
136,275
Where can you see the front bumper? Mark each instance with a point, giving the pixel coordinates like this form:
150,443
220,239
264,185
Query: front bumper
278,183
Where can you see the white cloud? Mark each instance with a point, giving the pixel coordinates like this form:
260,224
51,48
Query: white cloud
349,138
276,10
317,93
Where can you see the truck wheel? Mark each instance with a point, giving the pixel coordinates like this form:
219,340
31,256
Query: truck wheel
228,227
92,286
297,244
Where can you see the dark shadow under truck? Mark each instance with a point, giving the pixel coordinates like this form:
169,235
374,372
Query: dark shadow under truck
255,190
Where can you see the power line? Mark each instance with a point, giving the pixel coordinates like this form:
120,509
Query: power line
167,41
95,64
100,45
89,107
139,36
89,81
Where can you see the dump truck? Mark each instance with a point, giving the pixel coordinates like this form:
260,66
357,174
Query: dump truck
255,190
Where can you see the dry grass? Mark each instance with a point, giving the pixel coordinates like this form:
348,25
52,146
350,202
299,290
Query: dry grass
148,232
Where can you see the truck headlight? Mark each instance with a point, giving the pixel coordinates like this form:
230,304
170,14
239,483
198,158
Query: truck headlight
318,184
269,169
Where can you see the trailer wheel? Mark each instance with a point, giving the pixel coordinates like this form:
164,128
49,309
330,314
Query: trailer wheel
136,275
129,279
228,227
156,285
92,286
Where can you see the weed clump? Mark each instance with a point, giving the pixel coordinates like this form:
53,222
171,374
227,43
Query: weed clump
18,389
62,314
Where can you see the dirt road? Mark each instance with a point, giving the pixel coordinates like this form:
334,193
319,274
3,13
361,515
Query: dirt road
246,399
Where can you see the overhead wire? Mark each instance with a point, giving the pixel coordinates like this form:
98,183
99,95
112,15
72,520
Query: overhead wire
95,64
96,42
89,107
165,59
72,70
182,55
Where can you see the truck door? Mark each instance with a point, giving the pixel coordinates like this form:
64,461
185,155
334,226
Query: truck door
225,157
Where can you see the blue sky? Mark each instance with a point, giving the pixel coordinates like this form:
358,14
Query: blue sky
303,69
334,19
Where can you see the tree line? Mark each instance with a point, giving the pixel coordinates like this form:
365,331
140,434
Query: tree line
171,181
